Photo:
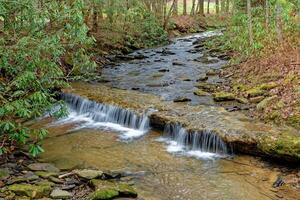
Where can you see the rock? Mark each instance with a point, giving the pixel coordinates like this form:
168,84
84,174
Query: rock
255,92
46,183
211,72
88,173
207,60
181,99
112,175
60,194
177,63
29,176
264,103
256,99
268,86
126,190
104,194
207,87
45,174
201,93
4,173
224,57
37,191
98,184
223,96
43,167
241,100
164,70
279,182
202,77
55,180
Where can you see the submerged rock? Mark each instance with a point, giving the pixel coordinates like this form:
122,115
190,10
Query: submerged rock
181,99
88,173
43,167
60,194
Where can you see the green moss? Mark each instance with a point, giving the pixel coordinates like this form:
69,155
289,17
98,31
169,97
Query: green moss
239,87
28,190
104,194
285,145
45,174
255,92
201,93
223,96
297,90
294,121
268,86
265,103
126,190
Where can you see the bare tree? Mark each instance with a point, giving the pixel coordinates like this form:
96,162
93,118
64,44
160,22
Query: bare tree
217,6
175,10
250,22
184,7
208,2
279,21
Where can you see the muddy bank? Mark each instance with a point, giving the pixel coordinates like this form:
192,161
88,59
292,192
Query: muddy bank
243,134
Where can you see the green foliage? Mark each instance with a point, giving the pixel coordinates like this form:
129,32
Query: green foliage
34,39
236,37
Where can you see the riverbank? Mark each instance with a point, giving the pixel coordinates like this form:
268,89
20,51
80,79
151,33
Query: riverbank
24,178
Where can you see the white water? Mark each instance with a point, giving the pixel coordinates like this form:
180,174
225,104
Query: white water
89,114
201,145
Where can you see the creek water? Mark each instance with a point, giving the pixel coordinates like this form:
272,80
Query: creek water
173,164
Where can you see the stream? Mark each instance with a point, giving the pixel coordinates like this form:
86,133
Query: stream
169,164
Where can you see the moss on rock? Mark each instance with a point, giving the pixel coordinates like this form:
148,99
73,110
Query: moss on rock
223,96
38,191
104,194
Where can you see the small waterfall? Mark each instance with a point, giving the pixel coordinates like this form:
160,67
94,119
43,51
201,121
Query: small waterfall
202,144
102,115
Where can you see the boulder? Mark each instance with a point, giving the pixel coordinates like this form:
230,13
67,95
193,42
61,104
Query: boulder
45,174
126,190
255,92
60,194
264,103
256,99
223,96
207,87
37,191
88,173
43,167
201,93
104,194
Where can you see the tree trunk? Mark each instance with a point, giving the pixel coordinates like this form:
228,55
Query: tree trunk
208,2
217,7
279,22
193,7
249,22
175,10
267,13
184,7
201,7
227,6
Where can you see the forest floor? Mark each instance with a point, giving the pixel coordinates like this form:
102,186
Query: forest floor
271,83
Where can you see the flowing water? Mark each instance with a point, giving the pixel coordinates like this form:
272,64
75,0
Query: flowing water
173,164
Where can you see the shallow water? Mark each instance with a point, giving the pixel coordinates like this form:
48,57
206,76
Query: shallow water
158,74
167,169
166,175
